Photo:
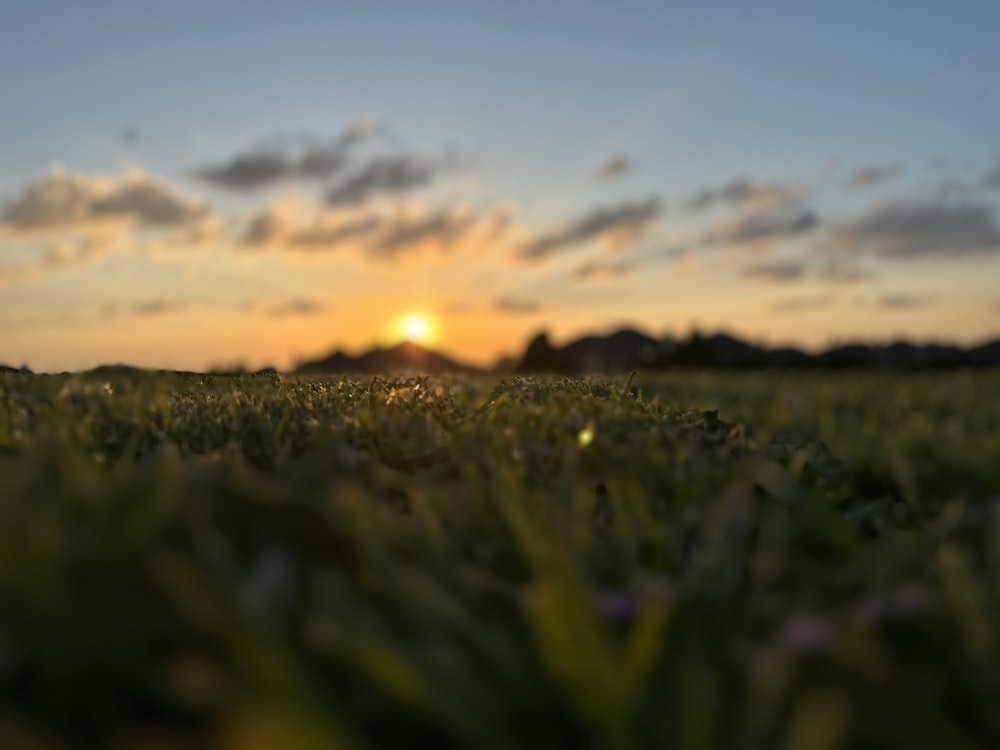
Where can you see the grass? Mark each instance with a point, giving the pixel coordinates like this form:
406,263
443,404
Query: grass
690,560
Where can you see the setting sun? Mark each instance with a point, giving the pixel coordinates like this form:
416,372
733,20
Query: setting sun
417,328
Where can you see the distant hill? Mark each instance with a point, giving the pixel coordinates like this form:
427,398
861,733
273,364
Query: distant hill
404,357
622,350
628,349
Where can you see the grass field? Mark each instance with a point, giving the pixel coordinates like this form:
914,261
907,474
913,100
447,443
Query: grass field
690,560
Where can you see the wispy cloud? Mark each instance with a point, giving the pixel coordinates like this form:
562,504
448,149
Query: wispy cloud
801,304
147,309
903,301
387,175
64,200
377,235
441,230
596,269
839,271
516,306
296,307
614,166
763,228
80,252
616,224
299,159
871,175
744,192
779,271
930,229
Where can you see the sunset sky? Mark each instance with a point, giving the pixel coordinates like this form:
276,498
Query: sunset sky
203,184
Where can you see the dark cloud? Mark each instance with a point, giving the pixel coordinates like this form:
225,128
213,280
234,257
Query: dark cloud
265,227
928,229
777,271
380,236
763,227
904,301
799,304
299,306
149,203
744,192
62,200
514,306
992,179
595,269
838,271
384,175
272,226
615,166
149,309
283,161
442,229
871,175
628,220
323,237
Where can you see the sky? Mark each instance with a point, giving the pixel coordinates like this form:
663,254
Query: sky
196,185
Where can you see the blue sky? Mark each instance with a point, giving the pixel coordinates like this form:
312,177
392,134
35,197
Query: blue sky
516,106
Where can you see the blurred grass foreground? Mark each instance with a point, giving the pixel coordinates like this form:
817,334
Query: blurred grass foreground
691,561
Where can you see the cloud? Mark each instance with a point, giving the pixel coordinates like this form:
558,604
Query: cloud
618,224
376,235
904,301
265,227
871,175
927,229
209,230
62,255
303,159
440,229
59,255
298,306
799,304
384,175
63,200
780,271
514,306
595,269
615,166
838,271
744,192
148,309
835,271
992,179
327,236
763,227
279,225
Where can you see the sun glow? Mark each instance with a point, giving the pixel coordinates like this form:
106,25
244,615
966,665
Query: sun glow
416,327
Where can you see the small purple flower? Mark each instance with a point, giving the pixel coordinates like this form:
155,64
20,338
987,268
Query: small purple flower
808,633
618,608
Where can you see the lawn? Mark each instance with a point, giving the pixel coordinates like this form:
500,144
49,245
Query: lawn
686,560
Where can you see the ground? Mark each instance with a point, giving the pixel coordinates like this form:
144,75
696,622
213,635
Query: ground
689,560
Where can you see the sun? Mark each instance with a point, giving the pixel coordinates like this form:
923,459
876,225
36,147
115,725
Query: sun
416,327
